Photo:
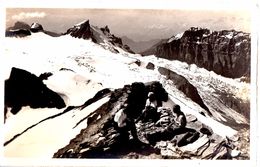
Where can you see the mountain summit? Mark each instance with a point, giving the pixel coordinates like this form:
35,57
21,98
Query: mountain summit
98,35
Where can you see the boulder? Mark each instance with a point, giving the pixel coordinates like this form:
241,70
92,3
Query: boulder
150,66
26,89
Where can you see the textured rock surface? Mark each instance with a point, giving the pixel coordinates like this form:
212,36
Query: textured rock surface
225,52
102,138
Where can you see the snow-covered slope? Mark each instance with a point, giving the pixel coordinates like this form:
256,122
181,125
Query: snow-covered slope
80,69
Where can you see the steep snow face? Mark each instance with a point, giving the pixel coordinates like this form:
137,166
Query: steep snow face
80,68
48,135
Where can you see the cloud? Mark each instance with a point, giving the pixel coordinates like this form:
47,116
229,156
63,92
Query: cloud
27,15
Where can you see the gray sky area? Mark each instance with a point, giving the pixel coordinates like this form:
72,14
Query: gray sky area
137,24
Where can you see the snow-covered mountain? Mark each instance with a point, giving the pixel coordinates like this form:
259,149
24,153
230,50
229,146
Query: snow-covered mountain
98,35
97,78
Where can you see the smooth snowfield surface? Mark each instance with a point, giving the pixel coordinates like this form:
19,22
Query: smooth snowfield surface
93,68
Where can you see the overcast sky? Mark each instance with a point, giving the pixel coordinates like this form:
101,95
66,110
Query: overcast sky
138,24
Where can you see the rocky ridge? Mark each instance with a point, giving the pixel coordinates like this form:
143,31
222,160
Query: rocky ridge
98,35
160,139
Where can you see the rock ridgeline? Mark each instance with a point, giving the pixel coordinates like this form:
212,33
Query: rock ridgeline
185,86
103,138
21,29
86,31
225,52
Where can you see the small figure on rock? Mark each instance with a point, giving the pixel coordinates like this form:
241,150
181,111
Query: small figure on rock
150,111
125,123
180,119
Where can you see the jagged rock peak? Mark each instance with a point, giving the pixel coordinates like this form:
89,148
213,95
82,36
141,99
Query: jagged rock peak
36,27
98,35
81,30
84,23
105,30
198,34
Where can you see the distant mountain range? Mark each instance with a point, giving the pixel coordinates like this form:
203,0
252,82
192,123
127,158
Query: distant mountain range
139,46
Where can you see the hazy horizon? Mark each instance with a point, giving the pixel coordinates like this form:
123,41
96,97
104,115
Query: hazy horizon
137,24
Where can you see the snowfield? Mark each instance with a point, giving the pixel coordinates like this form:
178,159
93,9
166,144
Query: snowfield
90,68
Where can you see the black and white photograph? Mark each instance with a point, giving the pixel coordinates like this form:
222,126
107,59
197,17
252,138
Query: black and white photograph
101,82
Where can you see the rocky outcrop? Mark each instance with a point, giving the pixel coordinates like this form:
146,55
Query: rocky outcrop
21,29
82,31
36,27
19,25
185,86
104,138
18,33
25,89
98,35
225,52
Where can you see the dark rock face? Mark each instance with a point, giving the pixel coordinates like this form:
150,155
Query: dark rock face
225,52
36,27
26,89
17,33
19,25
185,86
85,31
81,31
